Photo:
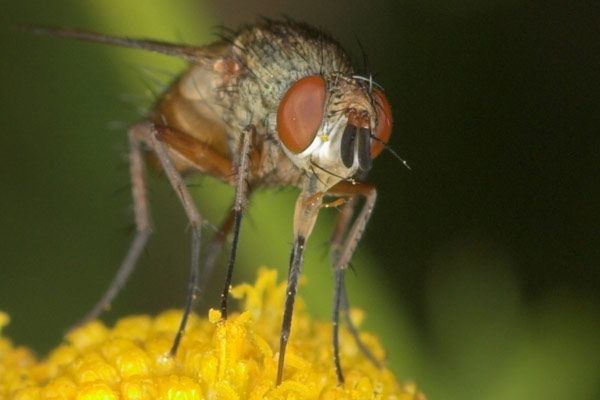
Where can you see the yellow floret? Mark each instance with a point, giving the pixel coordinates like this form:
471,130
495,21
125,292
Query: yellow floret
229,360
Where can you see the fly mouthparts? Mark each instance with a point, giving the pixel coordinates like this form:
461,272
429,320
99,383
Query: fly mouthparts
364,149
347,145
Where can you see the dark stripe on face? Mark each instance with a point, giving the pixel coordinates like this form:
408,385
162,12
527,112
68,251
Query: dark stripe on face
347,145
364,149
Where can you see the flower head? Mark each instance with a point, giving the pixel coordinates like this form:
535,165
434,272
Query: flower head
229,360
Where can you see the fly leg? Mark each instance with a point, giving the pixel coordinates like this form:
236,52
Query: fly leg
162,140
143,224
341,226
214,248
305,216
151,135
342,253
241,199
345,308
199,155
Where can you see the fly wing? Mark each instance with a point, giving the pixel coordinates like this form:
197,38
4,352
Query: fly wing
187,52
188,110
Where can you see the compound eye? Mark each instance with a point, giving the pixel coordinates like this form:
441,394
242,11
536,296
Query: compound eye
301,112
384,122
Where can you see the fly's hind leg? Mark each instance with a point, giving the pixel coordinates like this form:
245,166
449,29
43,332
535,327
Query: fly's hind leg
203,157
161,139
143,224
152,135
147,133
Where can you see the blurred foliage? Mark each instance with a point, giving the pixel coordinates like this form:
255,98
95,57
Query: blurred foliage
479,268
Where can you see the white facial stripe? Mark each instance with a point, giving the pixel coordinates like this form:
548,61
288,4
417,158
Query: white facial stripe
327,153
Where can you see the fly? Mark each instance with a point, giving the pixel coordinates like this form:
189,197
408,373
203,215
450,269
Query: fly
274,104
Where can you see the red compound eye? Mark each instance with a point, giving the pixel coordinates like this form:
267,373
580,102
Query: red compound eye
384,122
300,113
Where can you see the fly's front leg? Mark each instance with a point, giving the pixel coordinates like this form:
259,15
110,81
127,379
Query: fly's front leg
142,221
340,229
345,308
241,199
342,254
305,216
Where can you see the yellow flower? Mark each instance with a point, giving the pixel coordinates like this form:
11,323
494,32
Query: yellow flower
231,360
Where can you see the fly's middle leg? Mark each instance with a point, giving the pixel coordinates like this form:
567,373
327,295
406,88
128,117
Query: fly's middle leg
241,199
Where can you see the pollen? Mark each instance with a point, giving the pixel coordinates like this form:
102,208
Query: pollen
230,360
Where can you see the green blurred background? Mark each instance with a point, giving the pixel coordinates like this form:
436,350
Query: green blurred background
479,268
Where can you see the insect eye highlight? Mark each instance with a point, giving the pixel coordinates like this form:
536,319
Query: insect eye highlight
384,122
300,113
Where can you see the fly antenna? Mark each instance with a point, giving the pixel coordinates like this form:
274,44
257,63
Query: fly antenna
388,148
